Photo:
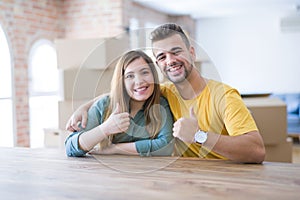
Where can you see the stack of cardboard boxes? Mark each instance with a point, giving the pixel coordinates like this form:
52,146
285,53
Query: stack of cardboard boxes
270,116
85,70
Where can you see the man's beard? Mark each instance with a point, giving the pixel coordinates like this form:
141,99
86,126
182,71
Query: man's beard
181,79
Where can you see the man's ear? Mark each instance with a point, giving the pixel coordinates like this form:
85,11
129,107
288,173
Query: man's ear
193,53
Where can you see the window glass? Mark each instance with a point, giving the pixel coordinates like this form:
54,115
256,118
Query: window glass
6,118
43,68
43,89
5,69
6,114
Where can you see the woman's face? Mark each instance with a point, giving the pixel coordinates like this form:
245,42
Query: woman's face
139,80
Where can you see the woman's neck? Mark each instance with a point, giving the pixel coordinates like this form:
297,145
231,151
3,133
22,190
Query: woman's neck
135,106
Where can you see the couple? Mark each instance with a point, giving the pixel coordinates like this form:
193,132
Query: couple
211,119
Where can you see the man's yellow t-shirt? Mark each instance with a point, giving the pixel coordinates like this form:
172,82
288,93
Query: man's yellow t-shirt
219,109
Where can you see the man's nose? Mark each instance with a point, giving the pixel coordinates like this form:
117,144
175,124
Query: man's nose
170,60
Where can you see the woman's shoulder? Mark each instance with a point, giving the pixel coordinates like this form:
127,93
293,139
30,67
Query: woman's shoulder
163,101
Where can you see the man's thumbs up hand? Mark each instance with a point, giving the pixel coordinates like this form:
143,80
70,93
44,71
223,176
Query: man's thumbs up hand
185,128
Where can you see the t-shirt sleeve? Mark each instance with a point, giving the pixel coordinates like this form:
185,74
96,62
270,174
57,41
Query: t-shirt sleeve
238,119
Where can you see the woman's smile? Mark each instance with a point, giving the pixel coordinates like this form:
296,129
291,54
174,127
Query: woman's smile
139,80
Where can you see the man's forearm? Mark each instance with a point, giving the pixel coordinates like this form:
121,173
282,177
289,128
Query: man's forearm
246,148
88,104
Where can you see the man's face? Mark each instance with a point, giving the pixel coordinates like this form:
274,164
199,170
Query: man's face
173,58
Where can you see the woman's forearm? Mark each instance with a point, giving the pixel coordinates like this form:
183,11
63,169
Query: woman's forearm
87,140
126,148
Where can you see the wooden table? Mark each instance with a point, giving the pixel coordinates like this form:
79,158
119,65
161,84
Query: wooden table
48,174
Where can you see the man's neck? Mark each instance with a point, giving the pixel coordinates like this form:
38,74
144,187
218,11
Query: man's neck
192,86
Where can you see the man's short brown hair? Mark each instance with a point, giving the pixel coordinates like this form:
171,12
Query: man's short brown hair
167,30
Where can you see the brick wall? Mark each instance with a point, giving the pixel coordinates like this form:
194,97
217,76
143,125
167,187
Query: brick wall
92,18
25,22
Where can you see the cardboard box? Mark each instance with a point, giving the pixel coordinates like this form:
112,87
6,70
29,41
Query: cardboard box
81,84
281,152
89,53
270,117
55,138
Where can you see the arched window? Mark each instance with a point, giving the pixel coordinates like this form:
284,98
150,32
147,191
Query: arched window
6,114
43,90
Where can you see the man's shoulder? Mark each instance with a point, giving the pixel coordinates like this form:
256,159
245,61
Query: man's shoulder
214,83
219,91
167,85
167,89
217,86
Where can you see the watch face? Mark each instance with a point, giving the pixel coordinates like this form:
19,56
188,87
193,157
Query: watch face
200,137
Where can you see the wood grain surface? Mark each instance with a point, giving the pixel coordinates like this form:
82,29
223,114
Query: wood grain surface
48,174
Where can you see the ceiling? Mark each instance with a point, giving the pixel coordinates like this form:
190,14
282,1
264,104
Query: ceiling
221,8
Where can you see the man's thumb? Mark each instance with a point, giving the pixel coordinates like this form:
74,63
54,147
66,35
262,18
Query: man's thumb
192,113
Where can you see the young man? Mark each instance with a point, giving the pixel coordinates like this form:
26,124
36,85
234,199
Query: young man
211,120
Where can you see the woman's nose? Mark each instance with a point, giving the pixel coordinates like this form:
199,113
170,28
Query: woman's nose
138,79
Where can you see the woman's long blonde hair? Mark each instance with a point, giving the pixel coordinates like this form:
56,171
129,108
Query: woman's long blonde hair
118,93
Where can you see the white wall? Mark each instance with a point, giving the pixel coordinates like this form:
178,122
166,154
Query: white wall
252,54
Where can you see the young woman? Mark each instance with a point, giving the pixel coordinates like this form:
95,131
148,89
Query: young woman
134,117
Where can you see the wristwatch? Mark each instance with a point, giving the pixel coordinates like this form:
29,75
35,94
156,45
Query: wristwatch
200,137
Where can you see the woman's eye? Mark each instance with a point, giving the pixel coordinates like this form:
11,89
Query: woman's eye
129,76
145,72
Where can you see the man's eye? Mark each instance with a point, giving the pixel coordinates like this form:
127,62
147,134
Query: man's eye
176,52
160,58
